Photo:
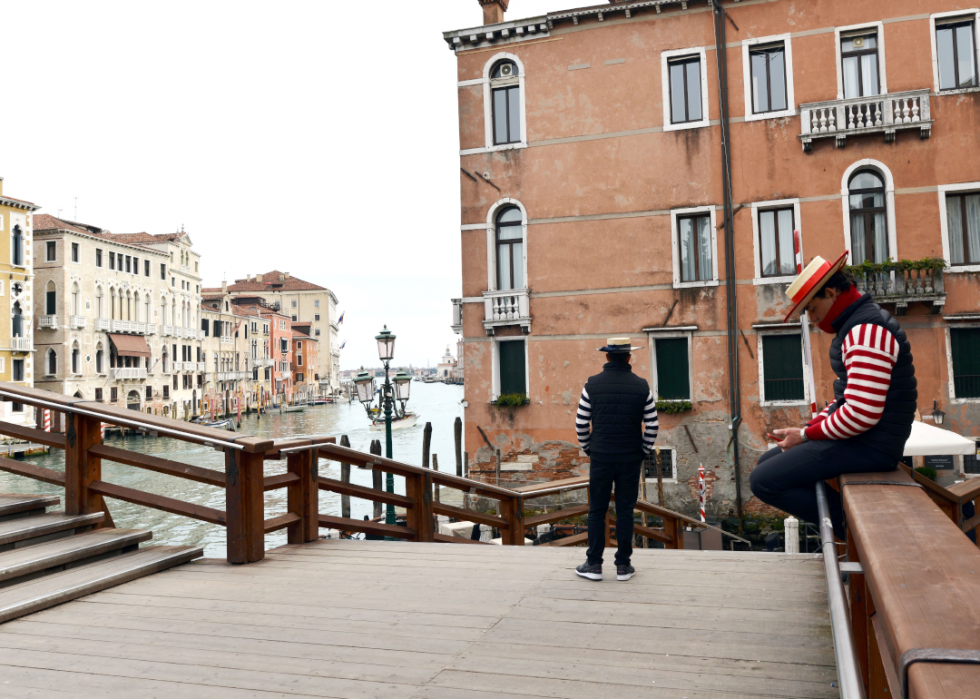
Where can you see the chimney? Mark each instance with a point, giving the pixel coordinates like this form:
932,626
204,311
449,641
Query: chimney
224,286
258,277
1,186
493,10
285,275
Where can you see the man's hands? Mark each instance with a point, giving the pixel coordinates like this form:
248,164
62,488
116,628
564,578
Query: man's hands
788,438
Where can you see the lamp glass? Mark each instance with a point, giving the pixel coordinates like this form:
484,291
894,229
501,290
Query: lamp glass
386,345
403,385
365,387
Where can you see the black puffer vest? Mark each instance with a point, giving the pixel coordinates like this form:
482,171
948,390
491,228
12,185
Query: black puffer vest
893,429
618,397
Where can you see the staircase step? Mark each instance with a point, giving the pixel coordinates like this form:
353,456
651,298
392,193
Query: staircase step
51,590
31,560
15,533
16,504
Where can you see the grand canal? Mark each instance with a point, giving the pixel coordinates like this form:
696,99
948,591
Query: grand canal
438,404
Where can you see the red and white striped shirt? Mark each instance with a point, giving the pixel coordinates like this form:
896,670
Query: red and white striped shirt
869,353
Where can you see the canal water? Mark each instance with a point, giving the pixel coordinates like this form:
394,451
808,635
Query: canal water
437,403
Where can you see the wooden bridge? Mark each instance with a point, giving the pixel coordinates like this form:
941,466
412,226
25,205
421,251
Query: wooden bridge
421,618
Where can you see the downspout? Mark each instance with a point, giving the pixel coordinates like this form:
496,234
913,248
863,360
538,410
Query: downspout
734,390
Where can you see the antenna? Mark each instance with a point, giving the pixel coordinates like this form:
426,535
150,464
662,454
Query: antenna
76,208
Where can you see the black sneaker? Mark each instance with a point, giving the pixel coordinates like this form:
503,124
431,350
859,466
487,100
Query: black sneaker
590,571
624,572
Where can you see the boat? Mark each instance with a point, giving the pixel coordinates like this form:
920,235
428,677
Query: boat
397,423
294,408
320,401
226,424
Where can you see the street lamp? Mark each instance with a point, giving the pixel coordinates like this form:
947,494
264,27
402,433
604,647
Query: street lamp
364,383
386,352
386,345
403,386
937,415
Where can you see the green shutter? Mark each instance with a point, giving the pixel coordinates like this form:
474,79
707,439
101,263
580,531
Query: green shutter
673,369
782,367
512,367
50,304
966,361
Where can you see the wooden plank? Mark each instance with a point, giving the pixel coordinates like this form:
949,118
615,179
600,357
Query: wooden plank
159,502
15,503
30,434
274,524
245,506
557,516
13,531
572,540
446,539
469,515
19,562
303,497
652,533
158,465
355,525
29,470
279,481
562,483
357,491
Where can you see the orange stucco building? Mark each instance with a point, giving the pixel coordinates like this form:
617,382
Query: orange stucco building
598,200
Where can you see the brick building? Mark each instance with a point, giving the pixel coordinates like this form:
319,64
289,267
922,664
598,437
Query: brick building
598,199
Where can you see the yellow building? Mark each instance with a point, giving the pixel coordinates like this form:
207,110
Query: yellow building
16,266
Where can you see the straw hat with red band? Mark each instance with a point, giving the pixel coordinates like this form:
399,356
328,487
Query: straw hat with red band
811,280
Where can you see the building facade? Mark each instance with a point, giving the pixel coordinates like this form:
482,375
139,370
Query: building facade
598,199
110,322
16,289
304,365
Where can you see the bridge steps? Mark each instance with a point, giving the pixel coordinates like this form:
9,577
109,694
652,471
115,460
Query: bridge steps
47,558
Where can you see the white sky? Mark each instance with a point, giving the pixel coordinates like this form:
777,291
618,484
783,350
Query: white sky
317,138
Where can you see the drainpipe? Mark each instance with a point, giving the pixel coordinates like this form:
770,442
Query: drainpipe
734,390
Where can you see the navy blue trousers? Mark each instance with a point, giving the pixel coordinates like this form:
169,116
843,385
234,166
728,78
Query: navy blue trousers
602,475
786,479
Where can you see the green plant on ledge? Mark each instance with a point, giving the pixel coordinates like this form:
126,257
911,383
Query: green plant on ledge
671,407
511,400
927,471
868,268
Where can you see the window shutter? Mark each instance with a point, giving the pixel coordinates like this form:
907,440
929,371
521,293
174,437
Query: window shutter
966,361
673,373
782,367
51,306
512,367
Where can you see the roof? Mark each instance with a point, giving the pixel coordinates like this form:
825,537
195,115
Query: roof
274,281
147,238
47,222
18,203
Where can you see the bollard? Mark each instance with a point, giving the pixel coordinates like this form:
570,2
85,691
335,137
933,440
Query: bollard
376,477
791,535
345,477
426,444
458,436
435,486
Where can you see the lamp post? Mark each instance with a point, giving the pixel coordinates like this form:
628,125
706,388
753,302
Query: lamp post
937,415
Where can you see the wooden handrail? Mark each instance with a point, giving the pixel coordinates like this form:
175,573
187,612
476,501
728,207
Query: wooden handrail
38,473
282,480
367,527
359,491
31,434
155,463
281,522
158,502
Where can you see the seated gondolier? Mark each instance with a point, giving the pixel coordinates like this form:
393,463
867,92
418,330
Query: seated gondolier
617,403
865,428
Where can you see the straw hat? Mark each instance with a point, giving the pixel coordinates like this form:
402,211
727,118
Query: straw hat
615,345
806,286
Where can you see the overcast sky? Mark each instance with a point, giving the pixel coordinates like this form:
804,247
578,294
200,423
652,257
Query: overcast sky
317,138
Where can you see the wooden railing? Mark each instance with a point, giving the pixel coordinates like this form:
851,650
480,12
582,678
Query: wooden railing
76,429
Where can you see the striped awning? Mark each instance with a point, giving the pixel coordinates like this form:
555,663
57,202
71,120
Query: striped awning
130,345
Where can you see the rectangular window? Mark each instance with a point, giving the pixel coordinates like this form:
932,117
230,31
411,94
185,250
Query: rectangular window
316,316
318,332
173,281
17,369
163,271
51,252
292,304
694,244
113,394
768,65
136,265
166,390
50,303
98,395
963,228
666,465
971,462
859,64
316,303
673,368
512,367
685,90
956,55
129,264
74,252
965,350
112,260
149,392
294,319
776,247
782,368
299,360
98,257
507,115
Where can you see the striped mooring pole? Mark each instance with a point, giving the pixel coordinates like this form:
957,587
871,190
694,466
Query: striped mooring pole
47,420
701,490
102,430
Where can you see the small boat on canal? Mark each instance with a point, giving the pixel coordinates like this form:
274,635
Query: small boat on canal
400,422
226,424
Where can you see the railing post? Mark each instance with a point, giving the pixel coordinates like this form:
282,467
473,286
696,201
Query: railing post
245,507
860,619
303,496
81,468
673,530
512,510
418,487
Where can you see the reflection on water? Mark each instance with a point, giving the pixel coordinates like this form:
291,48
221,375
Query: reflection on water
435,403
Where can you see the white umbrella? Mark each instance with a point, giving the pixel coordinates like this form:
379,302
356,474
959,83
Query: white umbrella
927,440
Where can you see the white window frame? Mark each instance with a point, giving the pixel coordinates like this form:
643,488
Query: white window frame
882,73
747,46
965,14
889,205
71,255
949,362
758,206
654,334
489,146
665,57
492,240
675,246
495,364
673,464
945,189
51,259
761,333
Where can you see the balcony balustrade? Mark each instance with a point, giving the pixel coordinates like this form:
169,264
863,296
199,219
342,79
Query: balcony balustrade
103,324
457,325
21,344
202,366
903,287
227,341
77,322
507,307
47,322
877,114
177,366
151,328
168,330
128,373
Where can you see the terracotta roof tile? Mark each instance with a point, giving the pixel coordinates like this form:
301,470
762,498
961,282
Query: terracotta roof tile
274,280
47,222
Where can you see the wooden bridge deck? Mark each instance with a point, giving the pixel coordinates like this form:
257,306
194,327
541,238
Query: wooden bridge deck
392,619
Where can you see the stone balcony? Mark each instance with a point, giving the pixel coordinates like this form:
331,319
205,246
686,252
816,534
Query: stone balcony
50,322
202,366
129,373
77,322
177,366
862,116
129,326
103,324
457,325
507,307
902,287
227,341
168,330
21,344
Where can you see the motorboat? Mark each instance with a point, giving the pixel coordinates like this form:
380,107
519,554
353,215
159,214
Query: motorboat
397,423
226,424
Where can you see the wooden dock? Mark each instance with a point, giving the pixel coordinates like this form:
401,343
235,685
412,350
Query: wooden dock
424,620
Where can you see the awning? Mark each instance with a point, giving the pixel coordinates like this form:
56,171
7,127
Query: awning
927,440
130,345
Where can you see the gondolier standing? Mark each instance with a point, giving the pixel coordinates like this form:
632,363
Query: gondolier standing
617,403
865,428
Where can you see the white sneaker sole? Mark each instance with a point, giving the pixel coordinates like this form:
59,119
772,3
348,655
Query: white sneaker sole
590,576
624,577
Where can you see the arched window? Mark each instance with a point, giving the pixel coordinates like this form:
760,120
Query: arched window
76,301
147,318
99,307
17,321
163,311
112,303
50,300
869,214
510,249
136,307
76,359
505,92
51,362
165,361
17,248
99,359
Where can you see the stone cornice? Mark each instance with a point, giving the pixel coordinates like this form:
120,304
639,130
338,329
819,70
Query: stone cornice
18,204
95,238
